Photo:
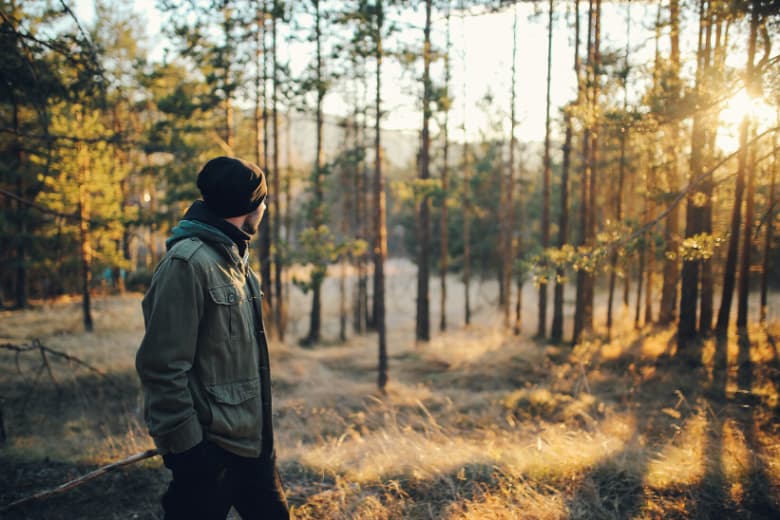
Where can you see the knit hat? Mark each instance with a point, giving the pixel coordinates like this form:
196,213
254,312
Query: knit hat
231,187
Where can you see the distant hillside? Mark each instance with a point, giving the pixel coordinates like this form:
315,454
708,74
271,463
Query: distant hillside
400,145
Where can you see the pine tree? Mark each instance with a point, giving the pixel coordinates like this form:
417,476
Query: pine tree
422,329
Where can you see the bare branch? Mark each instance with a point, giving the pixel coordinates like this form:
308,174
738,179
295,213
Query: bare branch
67,486
36,345
44,209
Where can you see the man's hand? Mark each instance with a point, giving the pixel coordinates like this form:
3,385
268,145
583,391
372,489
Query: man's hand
203,460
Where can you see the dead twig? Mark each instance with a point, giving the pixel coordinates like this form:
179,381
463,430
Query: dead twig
36,345
49,370
3,435
67,486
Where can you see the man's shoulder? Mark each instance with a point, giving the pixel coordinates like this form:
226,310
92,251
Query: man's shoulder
196,252
186,249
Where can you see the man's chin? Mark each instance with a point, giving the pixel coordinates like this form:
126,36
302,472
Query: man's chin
249,230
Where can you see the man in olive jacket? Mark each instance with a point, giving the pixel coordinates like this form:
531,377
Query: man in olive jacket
203,361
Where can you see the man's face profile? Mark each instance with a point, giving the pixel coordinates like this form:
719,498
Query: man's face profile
252,222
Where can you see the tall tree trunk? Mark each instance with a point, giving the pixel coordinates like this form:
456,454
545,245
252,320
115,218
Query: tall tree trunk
747,242
541,330
265,224
707,289
361,224
514,251
347,211
83,212
423,329
279,312
288,180
507,205
768,235
445,186
21,219
228,103
689,292
724,311
671,269
259,85
581,311
318,273
466,235
650,270
466,202
556,332
621,180
380,228
639,280
594,167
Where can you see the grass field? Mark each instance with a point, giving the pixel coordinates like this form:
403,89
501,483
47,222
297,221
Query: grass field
477,424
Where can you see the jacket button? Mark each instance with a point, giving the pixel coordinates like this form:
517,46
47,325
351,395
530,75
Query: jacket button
231,298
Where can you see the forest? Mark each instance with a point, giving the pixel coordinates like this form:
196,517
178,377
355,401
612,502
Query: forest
520,258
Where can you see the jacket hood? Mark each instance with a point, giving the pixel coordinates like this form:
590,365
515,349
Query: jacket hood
194,228
201,222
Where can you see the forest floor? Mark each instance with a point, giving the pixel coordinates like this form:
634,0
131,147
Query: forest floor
476,424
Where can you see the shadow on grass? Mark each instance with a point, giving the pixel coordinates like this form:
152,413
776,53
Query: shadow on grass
314,494
614,489
79,406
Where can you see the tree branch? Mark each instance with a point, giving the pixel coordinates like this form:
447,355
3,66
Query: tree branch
36,345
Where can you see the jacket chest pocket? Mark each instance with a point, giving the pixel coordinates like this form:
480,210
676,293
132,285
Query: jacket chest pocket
232,318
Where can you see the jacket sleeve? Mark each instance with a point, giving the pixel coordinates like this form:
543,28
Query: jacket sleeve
172,307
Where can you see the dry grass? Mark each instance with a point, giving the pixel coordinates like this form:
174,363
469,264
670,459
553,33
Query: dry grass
477,424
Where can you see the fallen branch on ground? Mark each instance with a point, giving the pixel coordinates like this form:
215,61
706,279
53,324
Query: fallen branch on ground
82,479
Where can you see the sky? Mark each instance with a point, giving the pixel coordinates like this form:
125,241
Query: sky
482,45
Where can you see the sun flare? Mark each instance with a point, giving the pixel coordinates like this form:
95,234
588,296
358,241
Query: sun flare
735,109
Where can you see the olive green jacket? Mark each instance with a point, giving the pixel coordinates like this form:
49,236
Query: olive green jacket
203,361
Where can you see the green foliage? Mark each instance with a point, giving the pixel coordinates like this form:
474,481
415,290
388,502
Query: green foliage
700,247
317,249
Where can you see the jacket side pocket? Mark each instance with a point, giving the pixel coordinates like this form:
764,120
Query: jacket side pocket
235,407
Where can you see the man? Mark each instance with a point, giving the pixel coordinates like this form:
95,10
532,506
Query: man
203,361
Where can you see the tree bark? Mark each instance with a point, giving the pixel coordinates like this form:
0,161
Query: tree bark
83,212
768,236
621,181
318,274
689,291
21,219
639,280
583,279
445,186
380,228
279,312
743,289
671,269
542,325
265,225
556,330
423,331
707,289
514,251
724,311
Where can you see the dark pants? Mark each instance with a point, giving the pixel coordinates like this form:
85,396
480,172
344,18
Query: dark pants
251,485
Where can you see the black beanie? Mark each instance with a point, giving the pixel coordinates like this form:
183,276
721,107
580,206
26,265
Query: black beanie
231,187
